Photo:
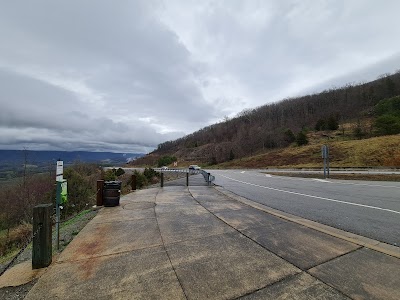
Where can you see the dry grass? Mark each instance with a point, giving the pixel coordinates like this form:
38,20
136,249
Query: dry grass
372,152
16,239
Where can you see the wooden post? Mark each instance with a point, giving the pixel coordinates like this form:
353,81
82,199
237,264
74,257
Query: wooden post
162,179
187,179
42,248
133,182
100,187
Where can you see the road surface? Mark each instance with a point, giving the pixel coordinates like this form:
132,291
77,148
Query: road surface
367,208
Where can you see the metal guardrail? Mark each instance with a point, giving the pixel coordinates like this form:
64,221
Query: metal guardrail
207,176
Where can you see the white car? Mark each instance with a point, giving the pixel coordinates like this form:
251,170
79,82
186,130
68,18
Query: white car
194,167
164,168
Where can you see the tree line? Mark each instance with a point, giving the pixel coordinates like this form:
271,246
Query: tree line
279,124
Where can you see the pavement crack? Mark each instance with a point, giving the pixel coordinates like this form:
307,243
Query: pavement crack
165,248
237,230
268,285
333,258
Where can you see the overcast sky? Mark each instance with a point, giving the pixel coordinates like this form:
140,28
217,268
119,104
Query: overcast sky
124,76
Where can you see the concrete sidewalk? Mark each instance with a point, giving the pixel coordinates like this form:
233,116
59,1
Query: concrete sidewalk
199,243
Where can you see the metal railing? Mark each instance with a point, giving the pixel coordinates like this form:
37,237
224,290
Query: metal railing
207,176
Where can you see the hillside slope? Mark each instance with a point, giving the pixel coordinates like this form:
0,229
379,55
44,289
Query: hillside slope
372,152
352,112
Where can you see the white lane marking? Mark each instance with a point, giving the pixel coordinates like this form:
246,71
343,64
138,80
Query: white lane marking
243,172
320,180
365,184
334,181
268,175
311,196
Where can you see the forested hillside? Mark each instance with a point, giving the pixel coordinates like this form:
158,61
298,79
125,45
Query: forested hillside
353,111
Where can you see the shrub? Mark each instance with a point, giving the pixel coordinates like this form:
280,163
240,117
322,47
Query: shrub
166,160
332,123
388,106
320,125
120,172
358,133
301,139
110,175
231,155
289,136
82,181
141,179
150,173
387,124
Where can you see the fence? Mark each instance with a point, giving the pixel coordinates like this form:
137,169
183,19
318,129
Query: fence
41,239
185,177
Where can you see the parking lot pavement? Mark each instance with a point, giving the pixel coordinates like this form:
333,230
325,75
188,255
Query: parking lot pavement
198,243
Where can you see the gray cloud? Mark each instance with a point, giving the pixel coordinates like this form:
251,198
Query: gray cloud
127,75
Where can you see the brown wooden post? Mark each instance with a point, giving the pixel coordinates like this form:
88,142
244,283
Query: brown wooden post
100,187
42,248
162,179
133,182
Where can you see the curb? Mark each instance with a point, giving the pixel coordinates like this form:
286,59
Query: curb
341,234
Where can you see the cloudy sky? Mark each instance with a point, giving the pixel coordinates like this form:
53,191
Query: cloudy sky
124,76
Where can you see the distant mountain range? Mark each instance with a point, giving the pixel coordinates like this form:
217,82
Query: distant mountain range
39,158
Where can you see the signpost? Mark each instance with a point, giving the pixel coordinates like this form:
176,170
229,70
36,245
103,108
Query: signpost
325,156
59,182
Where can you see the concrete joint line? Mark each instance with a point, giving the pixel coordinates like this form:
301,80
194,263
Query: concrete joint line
341,234
165,248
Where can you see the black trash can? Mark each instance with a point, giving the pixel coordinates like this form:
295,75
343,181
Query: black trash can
111,193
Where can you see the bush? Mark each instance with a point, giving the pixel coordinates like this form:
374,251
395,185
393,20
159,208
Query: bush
387,124
320,125
358,133
166,160
141,179
301,139
331,123
82,187
231,155
150,173
289,136
120,172
388,106
110,175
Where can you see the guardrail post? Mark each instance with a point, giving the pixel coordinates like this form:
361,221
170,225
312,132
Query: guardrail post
187,179
133,182
42,248
99,197
162,179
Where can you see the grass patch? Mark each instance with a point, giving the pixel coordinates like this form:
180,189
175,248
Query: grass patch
9,255
74,219
68,230
381,151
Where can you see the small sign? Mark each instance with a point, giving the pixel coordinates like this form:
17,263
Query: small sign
64,191
59,171
325,151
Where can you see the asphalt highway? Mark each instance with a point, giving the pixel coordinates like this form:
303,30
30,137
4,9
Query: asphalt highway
367,208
